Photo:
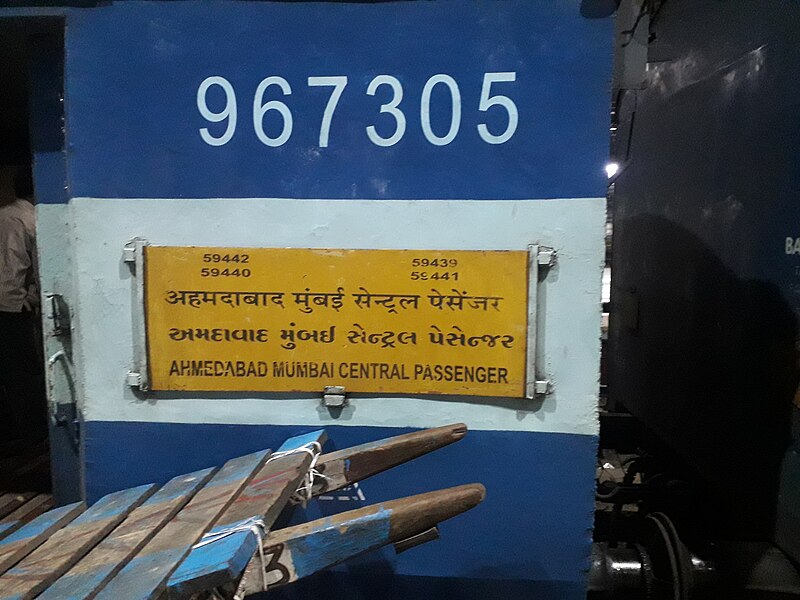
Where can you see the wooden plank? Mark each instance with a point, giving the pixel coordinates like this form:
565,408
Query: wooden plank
28,537
297,552
224,560
65,547
347,466
27,512
96,569
146,575
10,502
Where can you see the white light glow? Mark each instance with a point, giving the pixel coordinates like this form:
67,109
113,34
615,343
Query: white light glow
612,169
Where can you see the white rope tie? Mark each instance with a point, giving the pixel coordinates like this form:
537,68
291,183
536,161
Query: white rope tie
255,525
305,492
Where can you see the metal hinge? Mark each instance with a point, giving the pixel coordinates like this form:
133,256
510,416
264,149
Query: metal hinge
58,313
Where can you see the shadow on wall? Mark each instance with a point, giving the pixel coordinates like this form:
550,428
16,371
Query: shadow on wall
598,9
708,362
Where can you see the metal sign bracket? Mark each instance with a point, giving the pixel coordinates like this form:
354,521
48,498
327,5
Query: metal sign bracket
540,258
133,255
334,396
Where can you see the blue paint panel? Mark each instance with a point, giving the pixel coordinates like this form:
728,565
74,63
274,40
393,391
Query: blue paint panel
531,533
134,123
46,119
359,584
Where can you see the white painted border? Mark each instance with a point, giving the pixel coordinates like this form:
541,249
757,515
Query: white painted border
570,298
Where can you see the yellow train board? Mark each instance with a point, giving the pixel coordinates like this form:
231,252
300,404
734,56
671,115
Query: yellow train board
377,321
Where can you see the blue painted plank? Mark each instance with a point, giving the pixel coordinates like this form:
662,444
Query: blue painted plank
28,511
64,548
224,560
17,545
10,502
300,551
331,543
145,576
304,439
8,527
97,568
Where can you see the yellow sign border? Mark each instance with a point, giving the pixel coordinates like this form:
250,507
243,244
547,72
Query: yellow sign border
470,335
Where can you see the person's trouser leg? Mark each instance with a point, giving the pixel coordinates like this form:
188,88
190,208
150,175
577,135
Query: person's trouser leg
22,374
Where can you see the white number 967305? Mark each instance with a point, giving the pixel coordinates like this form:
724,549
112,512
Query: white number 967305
387,130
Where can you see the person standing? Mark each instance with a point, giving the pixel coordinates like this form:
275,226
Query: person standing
21,367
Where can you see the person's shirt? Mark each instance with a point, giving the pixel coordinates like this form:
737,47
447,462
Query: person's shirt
18,285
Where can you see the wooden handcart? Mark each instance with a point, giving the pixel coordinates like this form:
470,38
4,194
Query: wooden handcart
208,533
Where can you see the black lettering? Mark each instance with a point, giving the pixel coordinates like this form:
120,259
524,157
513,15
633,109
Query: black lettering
274,565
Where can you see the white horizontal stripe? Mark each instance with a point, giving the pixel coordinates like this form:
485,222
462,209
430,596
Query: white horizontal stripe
570,297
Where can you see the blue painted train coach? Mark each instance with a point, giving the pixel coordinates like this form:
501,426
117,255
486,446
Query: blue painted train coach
448,134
